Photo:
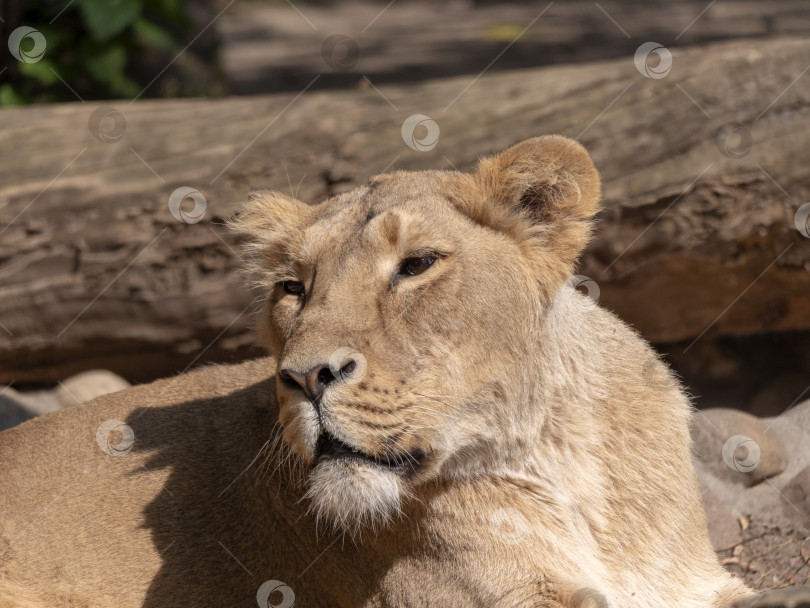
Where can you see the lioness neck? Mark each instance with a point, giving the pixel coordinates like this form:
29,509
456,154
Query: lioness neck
595,452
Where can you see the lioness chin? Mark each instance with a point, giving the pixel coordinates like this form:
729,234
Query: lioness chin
444,421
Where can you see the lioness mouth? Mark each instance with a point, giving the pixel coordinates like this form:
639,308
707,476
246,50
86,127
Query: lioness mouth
330,447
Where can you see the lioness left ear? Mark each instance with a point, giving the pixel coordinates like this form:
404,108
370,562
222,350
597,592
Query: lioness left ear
544,191
544,177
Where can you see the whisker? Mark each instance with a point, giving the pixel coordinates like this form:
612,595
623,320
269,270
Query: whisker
437,397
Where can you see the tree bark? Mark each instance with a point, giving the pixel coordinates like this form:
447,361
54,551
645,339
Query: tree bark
703,173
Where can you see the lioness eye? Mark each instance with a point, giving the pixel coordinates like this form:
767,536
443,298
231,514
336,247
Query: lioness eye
295,288
415,266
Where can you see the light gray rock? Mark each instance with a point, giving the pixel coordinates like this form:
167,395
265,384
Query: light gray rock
799,414
13,410
737,447
36,403
788,597
724,528
793,429
17,407
796,496
767,499
88,385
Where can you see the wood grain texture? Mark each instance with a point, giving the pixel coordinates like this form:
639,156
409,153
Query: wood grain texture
95,270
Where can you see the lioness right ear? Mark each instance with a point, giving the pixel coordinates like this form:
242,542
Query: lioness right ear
544,192
270,222
266,212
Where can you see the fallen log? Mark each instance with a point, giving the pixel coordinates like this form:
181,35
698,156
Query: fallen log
704,170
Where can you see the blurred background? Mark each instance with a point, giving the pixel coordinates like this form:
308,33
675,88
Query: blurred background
129,129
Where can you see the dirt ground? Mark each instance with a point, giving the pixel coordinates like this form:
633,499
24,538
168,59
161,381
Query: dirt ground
770,555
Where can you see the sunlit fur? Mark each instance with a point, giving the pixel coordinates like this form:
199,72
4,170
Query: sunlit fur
539,462
355,498
491,366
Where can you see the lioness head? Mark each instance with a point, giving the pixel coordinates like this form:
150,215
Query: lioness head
399,314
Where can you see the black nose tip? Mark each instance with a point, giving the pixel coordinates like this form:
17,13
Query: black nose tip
313,382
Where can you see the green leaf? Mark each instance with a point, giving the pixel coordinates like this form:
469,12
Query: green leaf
106,18
174,10
10,97
107,63
154,35
42,70
124,87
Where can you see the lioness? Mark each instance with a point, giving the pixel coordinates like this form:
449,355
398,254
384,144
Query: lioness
444,421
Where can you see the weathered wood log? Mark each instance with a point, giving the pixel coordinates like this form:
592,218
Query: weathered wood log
268,47
704,170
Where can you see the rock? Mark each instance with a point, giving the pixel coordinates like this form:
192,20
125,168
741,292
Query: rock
788,597
12,409
796,497
764,501
737,447
17,407
793,430
88,385
724,529
38,403
798,415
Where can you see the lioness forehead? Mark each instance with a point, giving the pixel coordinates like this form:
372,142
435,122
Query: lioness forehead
418,192
396,210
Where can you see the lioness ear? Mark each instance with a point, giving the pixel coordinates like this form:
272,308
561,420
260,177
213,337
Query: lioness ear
544,192
266,212
269,221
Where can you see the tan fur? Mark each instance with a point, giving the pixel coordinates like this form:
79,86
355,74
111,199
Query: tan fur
549,469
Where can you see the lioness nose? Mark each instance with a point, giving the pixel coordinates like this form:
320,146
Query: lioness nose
313,382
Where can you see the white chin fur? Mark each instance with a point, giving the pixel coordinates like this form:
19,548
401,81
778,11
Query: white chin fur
353,496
